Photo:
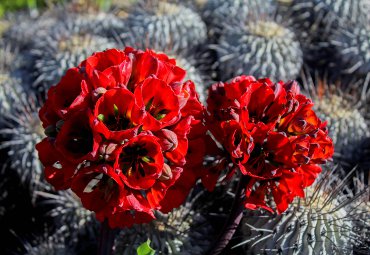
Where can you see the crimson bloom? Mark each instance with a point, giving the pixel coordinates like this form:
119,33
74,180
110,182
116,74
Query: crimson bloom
118,127
271,135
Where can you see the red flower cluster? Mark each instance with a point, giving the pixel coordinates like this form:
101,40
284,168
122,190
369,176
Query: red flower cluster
117,128
271,134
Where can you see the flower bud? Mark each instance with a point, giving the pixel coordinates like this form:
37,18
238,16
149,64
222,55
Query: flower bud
59,125
107,151
168,139
166,173
50,131
97,93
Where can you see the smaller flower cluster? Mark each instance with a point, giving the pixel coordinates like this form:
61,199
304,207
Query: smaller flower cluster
117,132
272,135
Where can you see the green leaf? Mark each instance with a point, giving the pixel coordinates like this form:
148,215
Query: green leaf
145,249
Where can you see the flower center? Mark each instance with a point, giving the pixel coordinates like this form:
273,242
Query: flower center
156,111
80,142
132,160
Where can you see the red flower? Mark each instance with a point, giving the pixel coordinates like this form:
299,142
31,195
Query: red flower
99,187
181,130
160,103
117,115
76,140
74,90
238,143
118,128
148,63
303,120
48,115
107,69
271,134
58,170
141,162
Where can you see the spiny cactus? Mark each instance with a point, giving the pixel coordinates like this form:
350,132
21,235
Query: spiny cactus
4,192
164,26
317,20
262,48
193,74
20,133
10,85
363,226
45,245
63,47
197,63
321,223
100,23
219,14
346,112
65,209
185,230
352,48
21,33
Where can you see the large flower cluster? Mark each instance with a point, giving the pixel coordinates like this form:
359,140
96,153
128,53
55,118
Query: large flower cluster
272,135
117,128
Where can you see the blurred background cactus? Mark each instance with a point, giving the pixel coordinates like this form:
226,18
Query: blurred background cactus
322,43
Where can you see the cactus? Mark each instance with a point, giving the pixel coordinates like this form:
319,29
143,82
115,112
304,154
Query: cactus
64,46
36,49
20,34
218,14
321,223
185,230
164,26
346,112
10,85
45,245
263,49
316,21
66,210
352,48
20,133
